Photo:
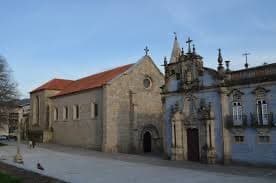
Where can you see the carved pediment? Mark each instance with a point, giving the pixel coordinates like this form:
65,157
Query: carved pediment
235,92
177,116
260,91
237,131
263,131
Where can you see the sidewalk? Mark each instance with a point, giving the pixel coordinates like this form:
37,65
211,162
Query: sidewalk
85,166
251,171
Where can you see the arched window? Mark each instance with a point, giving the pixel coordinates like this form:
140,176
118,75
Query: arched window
94,110
48,116
55,114
65,113
76,112
37,109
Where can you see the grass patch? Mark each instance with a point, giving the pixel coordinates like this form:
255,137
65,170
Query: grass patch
4,178
1,144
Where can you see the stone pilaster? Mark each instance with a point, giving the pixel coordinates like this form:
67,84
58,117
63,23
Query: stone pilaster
177,133
225,132
211,152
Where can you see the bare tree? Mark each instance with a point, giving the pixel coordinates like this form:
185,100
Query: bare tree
8,87
8,90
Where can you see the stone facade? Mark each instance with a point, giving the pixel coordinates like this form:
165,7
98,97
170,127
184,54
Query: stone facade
218,115
40,115
128,117
131,110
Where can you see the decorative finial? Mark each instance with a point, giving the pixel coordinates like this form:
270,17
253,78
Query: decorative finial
146,50
246,64
220,60
194,50
175,35
189,41
227,65
182,51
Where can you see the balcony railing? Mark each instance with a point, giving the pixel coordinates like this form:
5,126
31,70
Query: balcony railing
265,121
236,121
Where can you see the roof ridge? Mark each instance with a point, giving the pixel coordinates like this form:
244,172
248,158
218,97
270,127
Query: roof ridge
61,79
102,72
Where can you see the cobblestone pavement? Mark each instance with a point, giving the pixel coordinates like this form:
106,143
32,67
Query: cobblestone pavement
86,166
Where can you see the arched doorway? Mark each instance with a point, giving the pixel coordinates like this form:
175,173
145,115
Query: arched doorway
193,144
147,142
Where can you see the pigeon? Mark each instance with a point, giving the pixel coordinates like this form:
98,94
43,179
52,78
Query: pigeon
39,166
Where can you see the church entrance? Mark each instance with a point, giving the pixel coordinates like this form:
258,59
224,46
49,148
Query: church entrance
193,144
147,142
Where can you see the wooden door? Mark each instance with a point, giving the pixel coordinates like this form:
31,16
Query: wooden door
147,142
193,144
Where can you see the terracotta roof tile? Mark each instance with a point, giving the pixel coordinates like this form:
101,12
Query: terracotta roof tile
54,84
93,81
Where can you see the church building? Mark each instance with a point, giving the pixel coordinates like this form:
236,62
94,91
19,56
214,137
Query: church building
218,115
118,110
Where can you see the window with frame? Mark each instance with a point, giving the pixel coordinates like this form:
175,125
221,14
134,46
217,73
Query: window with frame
264,139
262,112
147,82
237,113
239,139
76,112
55,114
65,113
94,110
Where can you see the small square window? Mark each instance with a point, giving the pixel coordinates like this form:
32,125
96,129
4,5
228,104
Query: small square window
239,139
264,139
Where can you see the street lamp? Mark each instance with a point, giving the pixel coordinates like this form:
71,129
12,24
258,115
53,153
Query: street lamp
18,157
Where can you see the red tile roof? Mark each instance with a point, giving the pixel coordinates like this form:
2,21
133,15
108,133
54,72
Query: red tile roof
54,84
93,81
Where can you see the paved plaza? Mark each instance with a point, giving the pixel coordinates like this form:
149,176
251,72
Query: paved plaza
85,166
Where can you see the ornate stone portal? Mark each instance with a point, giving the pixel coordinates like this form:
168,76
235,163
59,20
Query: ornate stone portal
193,132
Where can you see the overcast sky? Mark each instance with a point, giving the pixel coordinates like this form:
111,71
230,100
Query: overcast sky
45,39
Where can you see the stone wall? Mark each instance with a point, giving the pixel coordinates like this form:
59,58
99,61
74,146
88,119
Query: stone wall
85,131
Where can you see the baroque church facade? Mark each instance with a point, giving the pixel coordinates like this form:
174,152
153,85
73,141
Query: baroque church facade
118,110
218,115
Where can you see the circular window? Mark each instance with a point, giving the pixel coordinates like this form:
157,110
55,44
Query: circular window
147,83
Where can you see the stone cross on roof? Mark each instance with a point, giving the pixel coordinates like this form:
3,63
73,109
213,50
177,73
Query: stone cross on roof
146,50
189,41
246,64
